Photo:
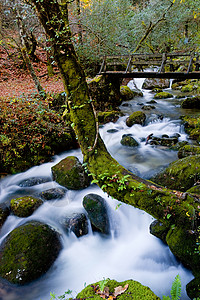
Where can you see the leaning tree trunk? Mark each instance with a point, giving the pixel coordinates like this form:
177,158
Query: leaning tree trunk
178,211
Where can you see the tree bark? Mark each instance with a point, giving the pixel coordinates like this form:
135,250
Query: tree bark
175,209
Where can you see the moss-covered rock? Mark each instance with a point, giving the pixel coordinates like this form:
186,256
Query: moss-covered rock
159,230
96,208
191,102
4,213
181,174
126,92
163,95
25,206
184,244
192,126
70,173
138,117
188,150
187,88
151,83
28,252
77,223
135,291
108,116
129,141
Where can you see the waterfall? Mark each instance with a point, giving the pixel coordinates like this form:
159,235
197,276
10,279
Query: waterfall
130,252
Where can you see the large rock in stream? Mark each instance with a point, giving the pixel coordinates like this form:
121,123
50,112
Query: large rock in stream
137,117
180,175
96,208
28,252
70,173
25,206
151,83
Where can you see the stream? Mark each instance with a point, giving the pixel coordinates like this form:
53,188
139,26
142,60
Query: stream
130,252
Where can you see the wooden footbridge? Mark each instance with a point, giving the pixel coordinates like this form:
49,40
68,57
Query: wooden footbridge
167,65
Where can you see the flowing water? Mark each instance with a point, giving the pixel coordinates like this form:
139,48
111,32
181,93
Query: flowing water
130,252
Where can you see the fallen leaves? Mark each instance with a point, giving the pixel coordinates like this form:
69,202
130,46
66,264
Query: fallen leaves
106,294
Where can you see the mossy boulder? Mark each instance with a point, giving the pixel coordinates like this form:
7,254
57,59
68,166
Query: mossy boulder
188,150
97,212
159,230
109,116
138,117
184,244
28,252
187,88
129,141
70,173
135,291
77,223
126,92
151,83
55,193
192,126
163,95
25,206
4,213
191,102
181,174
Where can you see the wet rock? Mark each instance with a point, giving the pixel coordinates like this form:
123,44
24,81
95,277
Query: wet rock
55,193
135,291
77,223
188,150
70,173
24,206
34,181
151,83
148,107
126,92
163,95
96,208
4,213
191,102
126,104
152,102
187,88
112,130
180,175
165,140
129,141
159,230
28,252
138,117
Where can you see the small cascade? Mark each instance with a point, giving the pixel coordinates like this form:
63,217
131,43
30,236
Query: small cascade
130,251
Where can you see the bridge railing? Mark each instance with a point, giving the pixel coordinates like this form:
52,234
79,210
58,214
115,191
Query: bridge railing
161,63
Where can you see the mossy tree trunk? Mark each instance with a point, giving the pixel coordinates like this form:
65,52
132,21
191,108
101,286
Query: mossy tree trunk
173,208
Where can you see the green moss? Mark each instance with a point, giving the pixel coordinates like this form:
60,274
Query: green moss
188,150
108,116
135,290
138,117
129,141
192,126
28,252
181,174
183,244
25,206
70,173
163,95
187,88
126,92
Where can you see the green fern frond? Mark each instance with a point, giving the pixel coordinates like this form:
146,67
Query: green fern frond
176,288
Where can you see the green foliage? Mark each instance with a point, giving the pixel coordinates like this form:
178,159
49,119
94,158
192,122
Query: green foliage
102,283
65,296
175,290
28,129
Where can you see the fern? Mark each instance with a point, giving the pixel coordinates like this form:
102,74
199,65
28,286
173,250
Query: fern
176,288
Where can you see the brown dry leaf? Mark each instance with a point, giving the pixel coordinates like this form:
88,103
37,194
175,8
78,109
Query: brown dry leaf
120,290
